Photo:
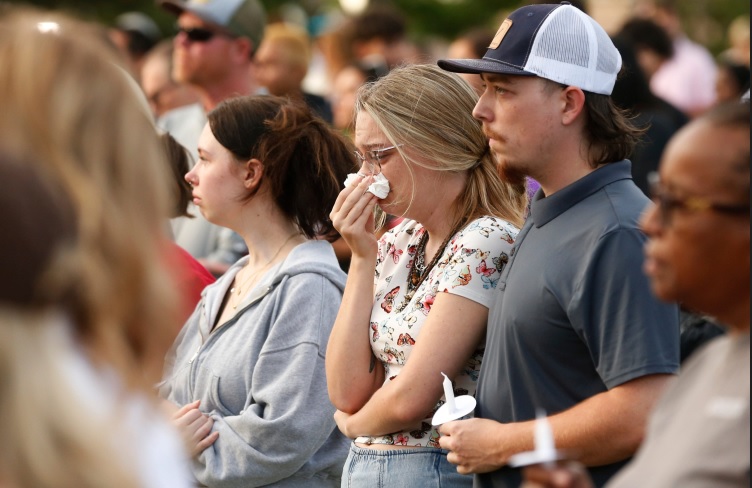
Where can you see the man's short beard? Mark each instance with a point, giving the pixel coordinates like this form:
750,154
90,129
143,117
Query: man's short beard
513,176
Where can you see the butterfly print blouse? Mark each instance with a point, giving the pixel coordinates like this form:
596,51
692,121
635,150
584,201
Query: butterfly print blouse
469,266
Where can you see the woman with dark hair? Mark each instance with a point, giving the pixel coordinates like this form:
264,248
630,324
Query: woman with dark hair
247,370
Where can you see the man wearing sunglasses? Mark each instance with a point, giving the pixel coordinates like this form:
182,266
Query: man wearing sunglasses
214,50
215,45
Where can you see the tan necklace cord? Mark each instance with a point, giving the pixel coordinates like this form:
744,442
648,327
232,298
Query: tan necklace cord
236,291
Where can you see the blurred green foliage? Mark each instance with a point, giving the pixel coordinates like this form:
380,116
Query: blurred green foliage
705,20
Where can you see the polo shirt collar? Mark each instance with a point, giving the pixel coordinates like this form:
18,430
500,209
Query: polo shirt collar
544,209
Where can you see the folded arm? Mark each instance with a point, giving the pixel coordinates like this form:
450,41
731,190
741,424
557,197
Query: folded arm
452,331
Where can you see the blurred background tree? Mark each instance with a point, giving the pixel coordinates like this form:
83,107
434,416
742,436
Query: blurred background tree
705,21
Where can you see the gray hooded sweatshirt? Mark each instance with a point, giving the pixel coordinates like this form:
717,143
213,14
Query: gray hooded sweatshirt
261,376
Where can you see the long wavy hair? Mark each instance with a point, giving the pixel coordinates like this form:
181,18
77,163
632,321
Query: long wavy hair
430,111
70,110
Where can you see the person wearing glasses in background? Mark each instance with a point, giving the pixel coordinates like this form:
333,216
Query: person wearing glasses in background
423,311
214,52
697,254
161,90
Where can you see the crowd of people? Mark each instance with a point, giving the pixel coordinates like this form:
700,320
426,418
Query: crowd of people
217,274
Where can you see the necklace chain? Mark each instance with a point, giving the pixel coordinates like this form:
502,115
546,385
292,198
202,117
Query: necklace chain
236,296
418,269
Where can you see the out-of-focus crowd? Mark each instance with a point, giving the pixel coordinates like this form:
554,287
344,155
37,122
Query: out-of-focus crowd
245,252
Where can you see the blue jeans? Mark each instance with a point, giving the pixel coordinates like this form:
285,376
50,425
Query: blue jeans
398,468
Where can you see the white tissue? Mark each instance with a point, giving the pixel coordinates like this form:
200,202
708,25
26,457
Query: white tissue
379,187
351,179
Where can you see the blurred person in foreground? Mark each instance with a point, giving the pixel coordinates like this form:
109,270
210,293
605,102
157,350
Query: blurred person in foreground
214,52
416,300
573,326
697,254
91,334
246,373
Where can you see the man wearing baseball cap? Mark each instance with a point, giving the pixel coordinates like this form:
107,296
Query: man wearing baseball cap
215,45
574,329
214,51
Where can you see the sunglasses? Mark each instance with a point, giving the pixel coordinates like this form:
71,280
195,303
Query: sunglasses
198,34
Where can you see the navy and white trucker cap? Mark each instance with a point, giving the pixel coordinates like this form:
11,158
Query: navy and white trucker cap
559,42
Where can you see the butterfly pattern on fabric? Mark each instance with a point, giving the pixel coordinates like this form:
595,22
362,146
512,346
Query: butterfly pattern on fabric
388,302
395,253
470,266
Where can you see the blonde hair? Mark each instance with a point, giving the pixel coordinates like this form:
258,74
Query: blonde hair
430,111
295,41
70,110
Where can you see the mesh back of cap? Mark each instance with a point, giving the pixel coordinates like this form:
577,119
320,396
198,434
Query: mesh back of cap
571,48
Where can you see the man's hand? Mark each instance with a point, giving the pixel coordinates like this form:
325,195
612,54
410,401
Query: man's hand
570,475
476,445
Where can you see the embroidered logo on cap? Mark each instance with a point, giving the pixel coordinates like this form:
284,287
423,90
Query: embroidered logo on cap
500,34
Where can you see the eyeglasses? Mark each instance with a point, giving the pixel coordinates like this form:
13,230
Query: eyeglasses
373,159
198,34
666,204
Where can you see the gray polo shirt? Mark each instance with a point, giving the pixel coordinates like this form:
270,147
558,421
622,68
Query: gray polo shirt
574,315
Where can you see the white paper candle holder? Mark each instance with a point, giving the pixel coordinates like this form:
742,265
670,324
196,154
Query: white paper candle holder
455,407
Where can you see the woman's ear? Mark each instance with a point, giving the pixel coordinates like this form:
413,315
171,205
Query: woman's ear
253,173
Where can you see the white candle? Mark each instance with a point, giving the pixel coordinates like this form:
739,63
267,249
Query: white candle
449,393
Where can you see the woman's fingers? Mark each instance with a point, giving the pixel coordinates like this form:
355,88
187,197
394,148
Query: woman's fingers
201,428
348,198
185,408
346,192
189,417
205,442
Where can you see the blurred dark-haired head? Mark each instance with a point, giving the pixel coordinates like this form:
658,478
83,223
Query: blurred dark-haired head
178,159
37,227
732,80
652,44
